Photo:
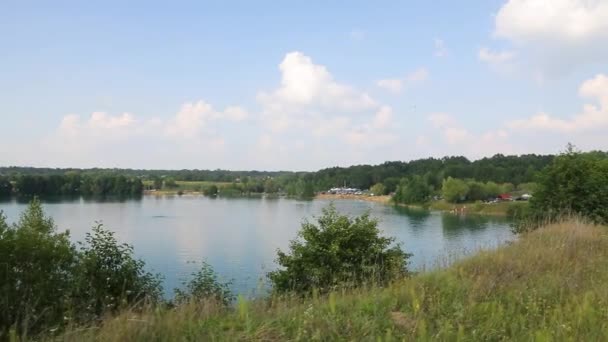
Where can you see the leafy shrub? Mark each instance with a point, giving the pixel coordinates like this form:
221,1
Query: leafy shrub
413,190
36,272
46,282
6,188
338,251
204,285
211,190
573,184
454,190
378,189
108,277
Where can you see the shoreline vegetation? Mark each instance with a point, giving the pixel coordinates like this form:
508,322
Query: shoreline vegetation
339,279
490,209
547,285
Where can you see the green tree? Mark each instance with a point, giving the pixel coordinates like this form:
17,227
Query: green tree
574,183
36,272
454,190
492,189
109,277
157,183
413,190
270,186
378,189
6,188
477,191
338,251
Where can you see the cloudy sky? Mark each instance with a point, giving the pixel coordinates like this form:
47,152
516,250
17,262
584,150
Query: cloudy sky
298,85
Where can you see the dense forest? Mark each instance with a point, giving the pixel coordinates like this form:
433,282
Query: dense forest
70,184
484,176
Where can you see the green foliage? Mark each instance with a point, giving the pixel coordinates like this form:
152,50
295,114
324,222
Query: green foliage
108,277
413,191
499,169
545,286
575,183
528,188
211,190
36,271
169,183
338,251
204,285
270,186
71,184
157,183
477,191
6,188
454,190
378,189
492,189
46,282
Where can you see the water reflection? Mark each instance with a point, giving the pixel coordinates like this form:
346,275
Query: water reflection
240,236
417,217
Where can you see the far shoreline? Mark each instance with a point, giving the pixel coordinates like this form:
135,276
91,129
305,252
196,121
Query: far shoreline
499,209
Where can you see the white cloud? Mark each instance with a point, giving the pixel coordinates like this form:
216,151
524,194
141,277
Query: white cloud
441,49
457,140
395,85
441,120
540,133
305,84
591,118
193,117
383,117
553,37
99,125
310,105
127,137
565,20
309,120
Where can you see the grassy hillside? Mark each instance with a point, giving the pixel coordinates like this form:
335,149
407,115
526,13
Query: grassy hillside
549,285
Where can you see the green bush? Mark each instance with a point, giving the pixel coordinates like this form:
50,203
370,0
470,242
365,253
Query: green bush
46,282
37,266
109,278
204,285
454,190
378,189
413,190
573,184
211,190
6,188
338,251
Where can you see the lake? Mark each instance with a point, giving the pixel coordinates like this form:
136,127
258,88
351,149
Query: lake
239,236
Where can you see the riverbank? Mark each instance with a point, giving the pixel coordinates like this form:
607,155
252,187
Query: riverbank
368,198
548,285
492,209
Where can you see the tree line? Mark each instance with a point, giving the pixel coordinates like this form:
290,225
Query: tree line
71,184
501,170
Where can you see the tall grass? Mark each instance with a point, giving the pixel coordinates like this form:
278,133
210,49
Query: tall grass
548,285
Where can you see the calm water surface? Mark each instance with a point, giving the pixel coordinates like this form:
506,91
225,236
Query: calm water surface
239,237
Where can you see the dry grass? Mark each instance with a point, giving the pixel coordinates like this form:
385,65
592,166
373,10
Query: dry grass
550,285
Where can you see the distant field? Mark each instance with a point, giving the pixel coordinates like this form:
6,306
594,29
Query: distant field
189,186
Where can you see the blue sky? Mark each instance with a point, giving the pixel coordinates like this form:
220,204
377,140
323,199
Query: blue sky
298,85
